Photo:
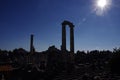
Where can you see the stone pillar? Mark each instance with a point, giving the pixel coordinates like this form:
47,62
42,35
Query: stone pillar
63,38
31,44
63,47
72,43
30,58
72,38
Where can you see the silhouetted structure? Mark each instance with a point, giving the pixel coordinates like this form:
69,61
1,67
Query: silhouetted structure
32,51
31,44
63,47
53,63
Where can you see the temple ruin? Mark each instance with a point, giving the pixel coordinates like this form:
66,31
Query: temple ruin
63,47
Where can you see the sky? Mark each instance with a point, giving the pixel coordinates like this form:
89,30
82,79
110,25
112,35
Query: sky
21,18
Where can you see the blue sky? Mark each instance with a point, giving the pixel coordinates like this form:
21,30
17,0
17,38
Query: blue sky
43,18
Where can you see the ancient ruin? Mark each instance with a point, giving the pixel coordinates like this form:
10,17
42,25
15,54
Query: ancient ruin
63,47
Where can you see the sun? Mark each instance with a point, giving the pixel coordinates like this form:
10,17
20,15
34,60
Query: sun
102,3
101,6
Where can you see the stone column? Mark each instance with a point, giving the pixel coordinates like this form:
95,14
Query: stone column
72,44
30,59
31,44
63,38
63,47
72,38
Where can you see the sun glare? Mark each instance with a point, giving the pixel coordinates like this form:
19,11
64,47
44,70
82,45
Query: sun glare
101,6
101,3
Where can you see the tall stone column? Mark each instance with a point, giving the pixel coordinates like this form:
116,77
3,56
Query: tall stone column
30,58
63,47
31,44
72,38
63,38
72,43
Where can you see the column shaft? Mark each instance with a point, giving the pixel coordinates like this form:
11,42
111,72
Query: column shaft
31,44
72,39
63,38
